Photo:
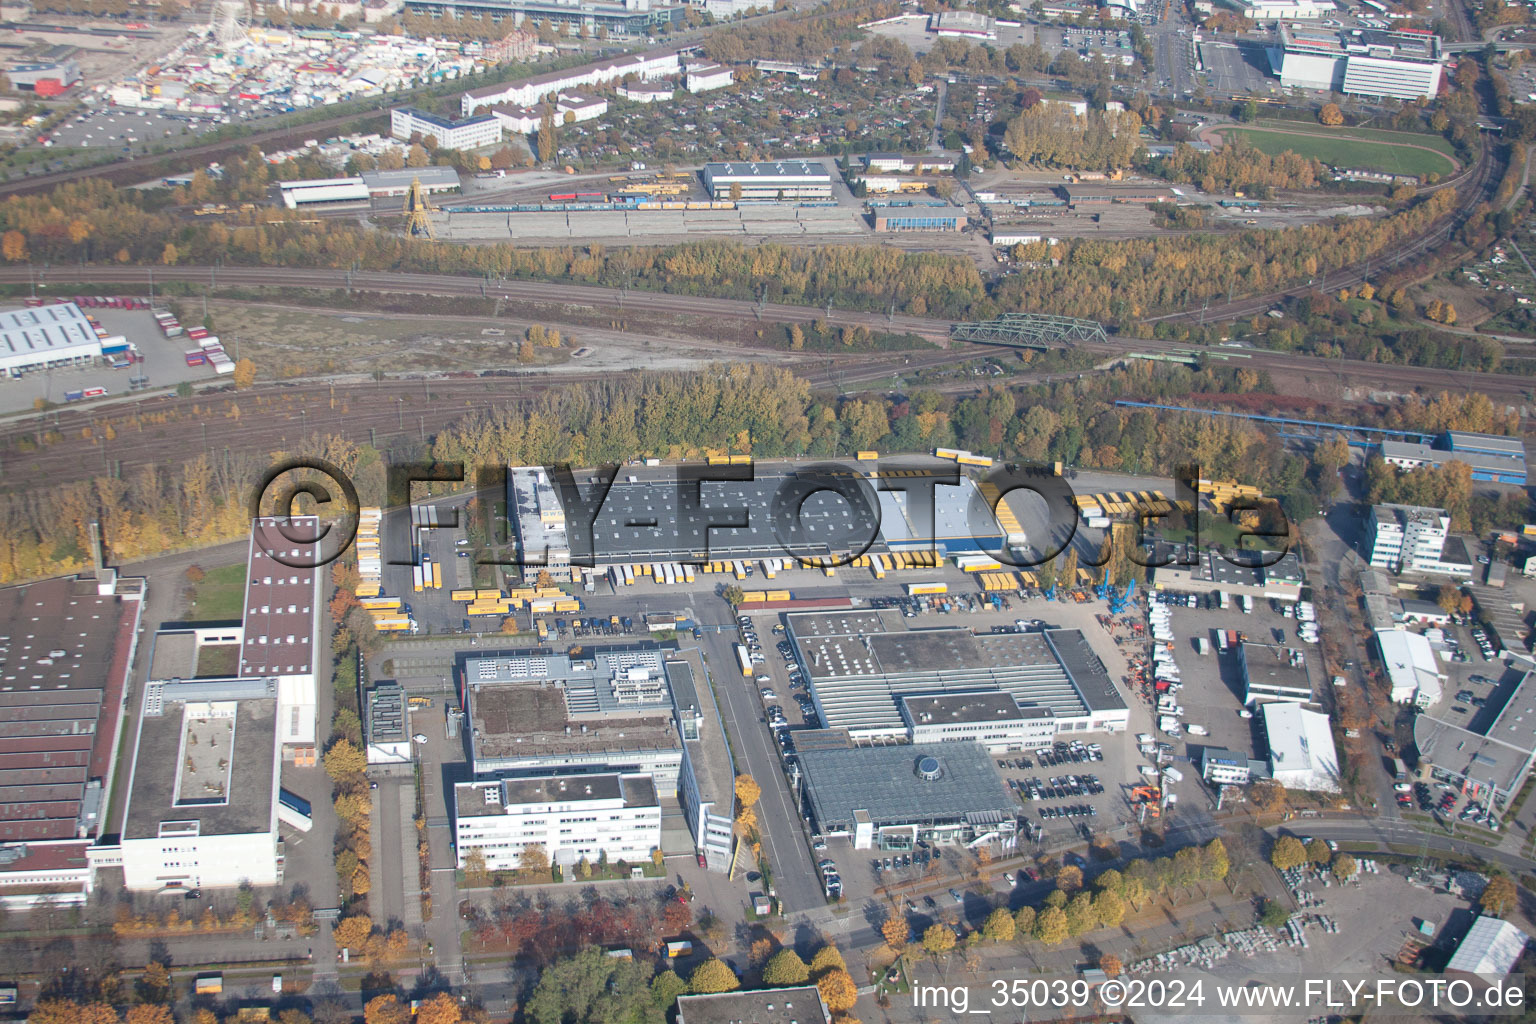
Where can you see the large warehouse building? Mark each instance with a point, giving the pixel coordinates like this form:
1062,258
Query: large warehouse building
1360,62
1492,457
867,670
769,181
1301,751
72,641
44,337
892,797
780,519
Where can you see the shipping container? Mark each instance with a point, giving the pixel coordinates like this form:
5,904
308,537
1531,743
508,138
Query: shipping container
768,570
462,595
953,454
196,357
437,576
209,984
744,660
740,569
916,589
868,456
975,460
688,573
368,589
375,603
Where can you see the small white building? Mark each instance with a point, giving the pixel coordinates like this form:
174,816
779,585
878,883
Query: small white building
571,816
990,717
1223,767
1412,671
704,77
580,107
1301,751
1491,947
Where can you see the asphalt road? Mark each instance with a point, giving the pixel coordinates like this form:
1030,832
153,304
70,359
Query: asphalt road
795,875
1397,833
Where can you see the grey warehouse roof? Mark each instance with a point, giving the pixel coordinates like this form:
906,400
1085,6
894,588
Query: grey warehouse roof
883,782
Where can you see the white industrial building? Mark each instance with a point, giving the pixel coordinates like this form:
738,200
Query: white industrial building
323,192
42,337
766,181
281,638
1273,673
202,793
1301,750
963,25
1491,948
1412,670
1285,10
645,67
704,77
471,132
616,817
989,717
1360,62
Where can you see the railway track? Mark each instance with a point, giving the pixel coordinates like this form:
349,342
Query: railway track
1484,183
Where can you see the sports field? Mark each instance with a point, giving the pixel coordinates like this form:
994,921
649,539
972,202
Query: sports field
1418,155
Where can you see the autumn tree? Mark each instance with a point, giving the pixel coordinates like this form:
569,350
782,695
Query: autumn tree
1267,795
1499,897
896,932
939,938
1344,866
1330,114
386,1009
352,932
712,976
827,958
1024,922
149,1013
1069,878
1288,853
785,968
441,1008
13,246
999,926
1051,926
1318,852
533,861
1110,965
838,990
245,374
344,761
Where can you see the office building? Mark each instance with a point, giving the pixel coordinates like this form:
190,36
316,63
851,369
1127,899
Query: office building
783,180
1488,757
1273,673
570,817
1407,538
1215,572
861,664
1222,767
598,710
202,794
470,132
706,781
70,642
1360,62
1301,751
989,717
1412,671
892,797
48,337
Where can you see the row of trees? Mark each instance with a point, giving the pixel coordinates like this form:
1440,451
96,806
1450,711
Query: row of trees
1049,134
1238,166
542,933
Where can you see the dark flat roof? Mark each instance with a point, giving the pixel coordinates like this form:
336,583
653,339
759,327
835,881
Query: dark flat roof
1085,669
58,712
249,800
280,598
799,1005
992,706
883,782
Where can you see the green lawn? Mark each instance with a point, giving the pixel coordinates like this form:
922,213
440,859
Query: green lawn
1436,142
221,595
1349,151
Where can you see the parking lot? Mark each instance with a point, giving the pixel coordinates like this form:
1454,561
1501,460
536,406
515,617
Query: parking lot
164,364
121,128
